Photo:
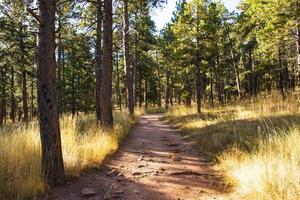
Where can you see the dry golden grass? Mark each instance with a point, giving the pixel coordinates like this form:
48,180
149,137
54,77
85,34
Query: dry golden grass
256,144
84,146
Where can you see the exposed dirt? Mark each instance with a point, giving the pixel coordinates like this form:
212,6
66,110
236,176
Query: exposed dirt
154,163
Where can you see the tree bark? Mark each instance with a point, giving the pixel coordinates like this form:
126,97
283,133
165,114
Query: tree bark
167,89
119,97
24,75
3,97
106,84
298,45
128,68
146,94
159,81
197,77
52,160
12,95
98,63
281,73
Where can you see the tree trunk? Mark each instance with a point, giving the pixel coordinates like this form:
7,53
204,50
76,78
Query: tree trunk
219,82
159,81
24,75
3,97
146,94
106,83
197,77
140,93
167,89
237,73
52,160
128,68
12,95
171,91
281,73
73,109
211,89
119,97
298,45
98,63
33,114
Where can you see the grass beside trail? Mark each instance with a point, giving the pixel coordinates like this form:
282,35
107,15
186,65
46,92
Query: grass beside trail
84,146
256,144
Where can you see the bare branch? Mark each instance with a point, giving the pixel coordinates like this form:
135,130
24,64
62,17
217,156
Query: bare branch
35,16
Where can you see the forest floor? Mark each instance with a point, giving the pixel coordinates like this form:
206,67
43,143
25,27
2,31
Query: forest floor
154,163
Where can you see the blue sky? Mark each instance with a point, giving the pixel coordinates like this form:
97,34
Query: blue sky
163,16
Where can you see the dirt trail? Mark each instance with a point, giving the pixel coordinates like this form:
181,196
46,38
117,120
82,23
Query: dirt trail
154,163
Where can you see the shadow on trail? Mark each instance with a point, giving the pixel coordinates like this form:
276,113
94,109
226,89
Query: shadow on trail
154,163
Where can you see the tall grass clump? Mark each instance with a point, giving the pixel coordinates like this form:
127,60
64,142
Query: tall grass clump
255,144
85,145
271,171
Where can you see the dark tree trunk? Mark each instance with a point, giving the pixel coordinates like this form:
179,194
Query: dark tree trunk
136,76
52,160
171,93
281,73
237,73
127,66
197,64
236,68
211,89
119,97
98,63
63,81
140,93
219,82
12,95
197,77
106,83
146,94
73,109
24,75
168,89
32,98
3,97
159,81
298,45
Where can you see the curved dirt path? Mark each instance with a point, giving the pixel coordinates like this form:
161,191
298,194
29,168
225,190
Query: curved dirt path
154,163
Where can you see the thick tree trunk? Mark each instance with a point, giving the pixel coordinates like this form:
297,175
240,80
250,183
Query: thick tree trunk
106,83
98,63
128,68
52,161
